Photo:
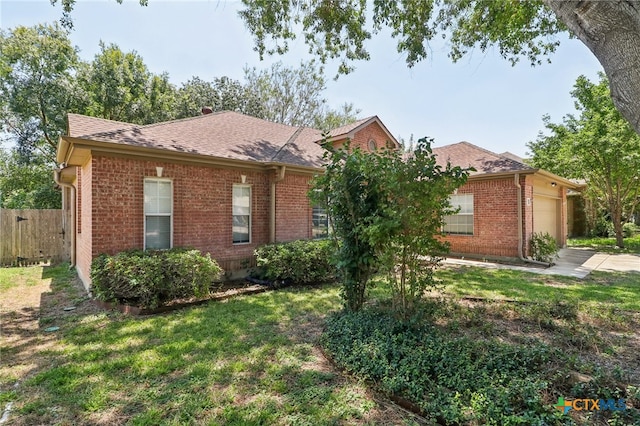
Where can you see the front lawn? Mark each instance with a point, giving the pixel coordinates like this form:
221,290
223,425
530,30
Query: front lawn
607,245
256,359
598,289
250,360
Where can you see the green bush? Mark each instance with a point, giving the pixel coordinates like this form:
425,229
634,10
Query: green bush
152,278
453,380
299,262
629,230
544,247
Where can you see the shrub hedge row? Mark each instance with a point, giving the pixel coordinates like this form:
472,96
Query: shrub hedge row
298,262
152,278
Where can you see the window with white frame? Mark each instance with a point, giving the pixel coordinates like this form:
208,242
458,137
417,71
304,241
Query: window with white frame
158,212
241,206
320,223
460,223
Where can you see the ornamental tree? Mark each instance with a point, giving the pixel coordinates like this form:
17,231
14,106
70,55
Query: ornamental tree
386,211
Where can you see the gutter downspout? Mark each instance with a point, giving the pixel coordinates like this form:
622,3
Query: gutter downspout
520,236
72,204
272,208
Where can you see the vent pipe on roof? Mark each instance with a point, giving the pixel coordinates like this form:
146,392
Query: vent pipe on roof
206,110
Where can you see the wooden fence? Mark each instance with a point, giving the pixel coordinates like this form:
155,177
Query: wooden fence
29,237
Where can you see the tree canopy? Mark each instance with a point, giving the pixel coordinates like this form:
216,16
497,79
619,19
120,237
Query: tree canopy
600,147
340,30
42,78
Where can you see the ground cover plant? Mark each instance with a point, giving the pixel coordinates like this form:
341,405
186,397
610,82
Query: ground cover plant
478,357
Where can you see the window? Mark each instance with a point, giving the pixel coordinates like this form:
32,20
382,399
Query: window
241,214
460,223
158,210
372,145
320,223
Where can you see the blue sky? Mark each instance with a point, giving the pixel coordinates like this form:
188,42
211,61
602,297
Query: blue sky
482,99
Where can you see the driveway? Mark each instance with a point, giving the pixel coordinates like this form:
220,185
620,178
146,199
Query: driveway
571,262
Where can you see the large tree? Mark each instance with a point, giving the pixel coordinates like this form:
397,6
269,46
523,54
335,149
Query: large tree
120,87
294,96
339,29
598,146
37,87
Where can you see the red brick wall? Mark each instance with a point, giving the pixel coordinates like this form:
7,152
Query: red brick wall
202,215
293,208
374,131
495,219
112,194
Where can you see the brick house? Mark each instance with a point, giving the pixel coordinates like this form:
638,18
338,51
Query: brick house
223,183
502,204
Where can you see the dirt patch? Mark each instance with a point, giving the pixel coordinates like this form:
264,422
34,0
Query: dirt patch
27,314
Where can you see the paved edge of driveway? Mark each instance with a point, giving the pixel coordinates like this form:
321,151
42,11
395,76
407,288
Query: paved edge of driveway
571,262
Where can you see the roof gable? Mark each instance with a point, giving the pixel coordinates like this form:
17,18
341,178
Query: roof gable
348,131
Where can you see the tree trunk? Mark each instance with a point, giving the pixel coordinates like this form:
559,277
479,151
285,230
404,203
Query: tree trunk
611,30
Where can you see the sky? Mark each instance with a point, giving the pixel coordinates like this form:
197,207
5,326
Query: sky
482,99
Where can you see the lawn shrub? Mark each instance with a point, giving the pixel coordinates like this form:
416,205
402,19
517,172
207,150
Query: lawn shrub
453,380
152,278
299,262
544,247
629,229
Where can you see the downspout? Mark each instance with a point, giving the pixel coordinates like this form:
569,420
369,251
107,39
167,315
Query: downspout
72,204
520,236
272,208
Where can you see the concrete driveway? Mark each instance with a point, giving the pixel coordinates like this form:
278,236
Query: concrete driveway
571,262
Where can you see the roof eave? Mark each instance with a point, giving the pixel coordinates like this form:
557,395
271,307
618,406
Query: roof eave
99,147
565,182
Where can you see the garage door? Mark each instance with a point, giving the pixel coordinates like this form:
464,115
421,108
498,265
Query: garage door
545,215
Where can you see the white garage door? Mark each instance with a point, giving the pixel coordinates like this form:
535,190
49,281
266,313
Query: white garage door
546,215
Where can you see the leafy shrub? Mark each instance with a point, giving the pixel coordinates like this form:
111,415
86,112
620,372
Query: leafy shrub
300,262
629,230
544,247
152,278
453,380
602,228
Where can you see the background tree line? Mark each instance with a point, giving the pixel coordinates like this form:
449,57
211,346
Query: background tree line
599,148
42,78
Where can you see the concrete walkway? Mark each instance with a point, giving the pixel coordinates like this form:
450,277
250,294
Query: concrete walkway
571,262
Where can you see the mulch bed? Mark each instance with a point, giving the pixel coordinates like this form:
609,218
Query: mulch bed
225,291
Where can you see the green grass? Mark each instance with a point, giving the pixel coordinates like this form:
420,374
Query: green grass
598,289
607,245
33,275
245,361
19,277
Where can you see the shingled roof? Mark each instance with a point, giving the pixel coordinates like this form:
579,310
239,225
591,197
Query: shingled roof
465,154
225,134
